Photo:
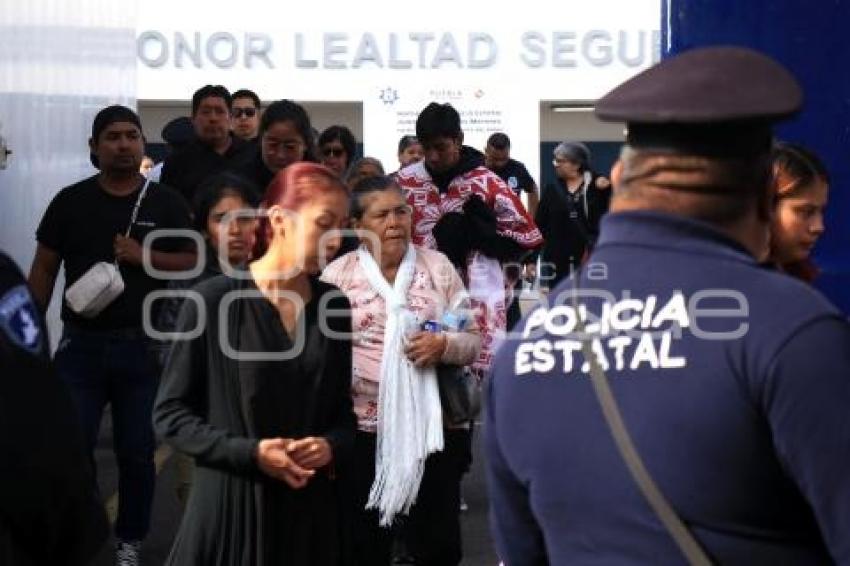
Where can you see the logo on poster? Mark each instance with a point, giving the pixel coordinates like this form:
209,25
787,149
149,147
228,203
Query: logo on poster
389,96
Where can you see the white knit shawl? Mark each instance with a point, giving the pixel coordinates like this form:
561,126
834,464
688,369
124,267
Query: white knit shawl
410,420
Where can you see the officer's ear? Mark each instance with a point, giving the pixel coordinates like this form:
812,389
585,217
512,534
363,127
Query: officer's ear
617,173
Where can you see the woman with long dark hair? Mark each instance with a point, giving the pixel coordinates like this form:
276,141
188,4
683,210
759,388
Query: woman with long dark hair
800,187
337,147
224,213
286,137
258,392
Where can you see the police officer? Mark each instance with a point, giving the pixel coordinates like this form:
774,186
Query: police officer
49,511
732,381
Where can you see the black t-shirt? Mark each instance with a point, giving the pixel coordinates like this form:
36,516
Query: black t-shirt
81,223
516,176
186,169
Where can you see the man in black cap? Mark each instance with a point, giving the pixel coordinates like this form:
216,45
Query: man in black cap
713,422
104,355
215,148
49,509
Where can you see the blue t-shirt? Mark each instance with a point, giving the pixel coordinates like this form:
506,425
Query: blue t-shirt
733,381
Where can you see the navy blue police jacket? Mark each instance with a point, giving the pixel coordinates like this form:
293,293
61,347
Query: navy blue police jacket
733,380
50,512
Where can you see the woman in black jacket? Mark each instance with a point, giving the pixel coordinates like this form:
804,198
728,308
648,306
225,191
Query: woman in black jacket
569,213
258,392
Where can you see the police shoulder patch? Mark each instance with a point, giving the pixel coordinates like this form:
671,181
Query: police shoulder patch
19,319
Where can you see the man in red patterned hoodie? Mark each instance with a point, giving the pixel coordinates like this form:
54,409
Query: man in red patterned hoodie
466,211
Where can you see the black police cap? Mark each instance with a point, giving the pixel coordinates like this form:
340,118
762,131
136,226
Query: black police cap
709,101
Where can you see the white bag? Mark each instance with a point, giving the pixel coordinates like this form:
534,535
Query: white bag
102,283
95,289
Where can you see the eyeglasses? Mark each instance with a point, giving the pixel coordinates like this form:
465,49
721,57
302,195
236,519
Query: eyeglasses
335,151
247,112
558,162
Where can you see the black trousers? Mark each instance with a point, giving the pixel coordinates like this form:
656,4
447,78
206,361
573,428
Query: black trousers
432,529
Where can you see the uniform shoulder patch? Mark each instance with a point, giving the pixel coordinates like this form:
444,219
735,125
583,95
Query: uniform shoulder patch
19,319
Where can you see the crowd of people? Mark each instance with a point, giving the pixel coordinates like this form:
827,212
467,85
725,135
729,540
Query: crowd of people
297,332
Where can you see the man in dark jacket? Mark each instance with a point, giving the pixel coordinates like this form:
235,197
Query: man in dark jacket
215,148
728,382
467,212
49,509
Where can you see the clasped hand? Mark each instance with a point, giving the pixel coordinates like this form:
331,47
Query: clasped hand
293,461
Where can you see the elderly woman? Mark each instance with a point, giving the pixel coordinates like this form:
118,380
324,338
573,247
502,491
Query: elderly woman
800,187
258,392
569,212
403,452
362,168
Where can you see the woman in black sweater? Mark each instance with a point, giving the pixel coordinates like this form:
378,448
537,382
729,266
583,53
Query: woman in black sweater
569,213
258,393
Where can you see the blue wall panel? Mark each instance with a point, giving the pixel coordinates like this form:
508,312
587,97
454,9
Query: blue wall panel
811,39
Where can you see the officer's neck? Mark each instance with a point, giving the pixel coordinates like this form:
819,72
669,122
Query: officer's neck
750,231
119,183
753,234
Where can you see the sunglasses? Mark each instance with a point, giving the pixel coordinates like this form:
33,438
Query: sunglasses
247,112
335,151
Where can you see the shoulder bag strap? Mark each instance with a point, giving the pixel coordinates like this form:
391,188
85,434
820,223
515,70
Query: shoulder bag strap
677,529
138,204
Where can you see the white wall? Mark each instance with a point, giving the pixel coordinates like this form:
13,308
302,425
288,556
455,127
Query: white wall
48,99
494,70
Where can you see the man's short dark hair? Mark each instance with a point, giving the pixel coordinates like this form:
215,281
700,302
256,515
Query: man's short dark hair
499,141
438,121
211,91
245,93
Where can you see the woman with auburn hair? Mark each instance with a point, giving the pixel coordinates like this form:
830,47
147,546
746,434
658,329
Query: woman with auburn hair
258,391
801,188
